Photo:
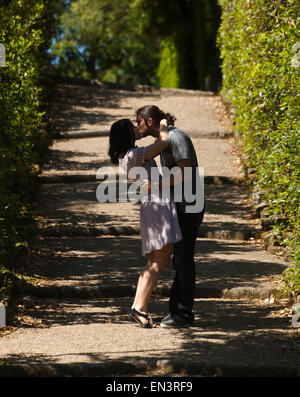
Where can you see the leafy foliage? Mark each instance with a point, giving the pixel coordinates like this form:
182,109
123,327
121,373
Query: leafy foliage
104,39
25,32
149,42
189,56
256,39
167,71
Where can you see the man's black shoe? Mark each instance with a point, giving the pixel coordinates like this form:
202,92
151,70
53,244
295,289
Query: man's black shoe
175,321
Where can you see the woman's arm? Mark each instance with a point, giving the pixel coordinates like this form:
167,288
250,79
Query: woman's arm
155,148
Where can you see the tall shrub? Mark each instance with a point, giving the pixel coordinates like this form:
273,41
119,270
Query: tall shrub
189,57
167,71
257,40
25,30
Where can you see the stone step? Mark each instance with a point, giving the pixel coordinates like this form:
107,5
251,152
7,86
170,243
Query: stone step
204,232
92,177
87,108
75,337
73,209
112,291
68,160
109,266
105,133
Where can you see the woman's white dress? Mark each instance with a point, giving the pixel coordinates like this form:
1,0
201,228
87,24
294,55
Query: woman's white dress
158,216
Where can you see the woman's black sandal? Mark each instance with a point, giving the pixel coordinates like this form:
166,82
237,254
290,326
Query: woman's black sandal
133,312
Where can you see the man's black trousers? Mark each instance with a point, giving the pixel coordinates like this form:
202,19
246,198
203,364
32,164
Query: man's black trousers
183,288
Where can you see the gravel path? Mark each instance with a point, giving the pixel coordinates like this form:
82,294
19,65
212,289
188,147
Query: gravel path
72,320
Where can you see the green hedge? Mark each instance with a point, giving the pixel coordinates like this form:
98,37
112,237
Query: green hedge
167,71
187,30
25,30
189,57
257,40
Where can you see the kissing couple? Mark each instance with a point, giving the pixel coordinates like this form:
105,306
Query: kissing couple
166,227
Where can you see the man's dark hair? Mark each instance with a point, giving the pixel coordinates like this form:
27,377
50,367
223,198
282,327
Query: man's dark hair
156,114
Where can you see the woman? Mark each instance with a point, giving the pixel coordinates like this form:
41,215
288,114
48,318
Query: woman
158,217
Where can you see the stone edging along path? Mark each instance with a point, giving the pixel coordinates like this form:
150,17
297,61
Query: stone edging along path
105,132
113,291
147,367
91,177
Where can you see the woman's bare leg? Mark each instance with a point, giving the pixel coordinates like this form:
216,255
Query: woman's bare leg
156,263
141,281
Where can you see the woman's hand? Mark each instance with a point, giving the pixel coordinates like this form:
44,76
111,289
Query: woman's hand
149,187
163,122
163,131
160,144
146,186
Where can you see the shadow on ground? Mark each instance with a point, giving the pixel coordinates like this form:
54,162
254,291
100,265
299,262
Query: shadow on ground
117,261
73,106
76,205
62,160
225,332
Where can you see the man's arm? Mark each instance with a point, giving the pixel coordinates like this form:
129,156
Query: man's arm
179,175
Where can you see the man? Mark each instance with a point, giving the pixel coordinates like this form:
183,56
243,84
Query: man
180,153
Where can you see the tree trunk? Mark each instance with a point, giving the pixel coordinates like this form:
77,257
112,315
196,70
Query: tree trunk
91,66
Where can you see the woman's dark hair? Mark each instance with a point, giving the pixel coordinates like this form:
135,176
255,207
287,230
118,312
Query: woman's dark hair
121,139
156,114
